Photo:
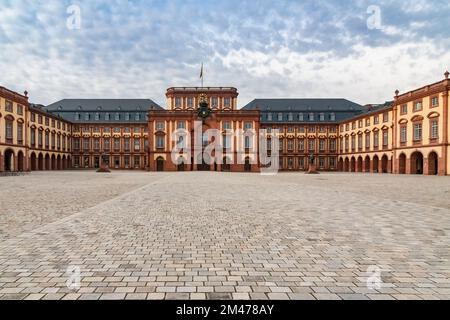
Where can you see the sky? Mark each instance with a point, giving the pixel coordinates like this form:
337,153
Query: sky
359,50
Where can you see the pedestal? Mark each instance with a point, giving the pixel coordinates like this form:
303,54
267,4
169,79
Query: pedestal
312,169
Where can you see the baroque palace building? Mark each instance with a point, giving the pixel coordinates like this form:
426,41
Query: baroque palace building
408,135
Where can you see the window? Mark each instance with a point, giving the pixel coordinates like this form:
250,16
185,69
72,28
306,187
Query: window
40,139
97,144
106,144
367,122
290,129
107,116
86,116
117,116
360,124
385,117
247,125
417,106
9,131
300,117
332,162
33,137
333,145
106,129
434,127
160,126
434,102
126,129
160,142
33,117
40,119
127,116
64,143
321,116
347,127
404,109
137,144
117,130
8,106
20,133
290,145
190,102
321,162
227,102
127,144
385,138
321,145
301,145
311,145
367,140
136,130
116,144
247,142
226,125
177,102
417,128
86,144
280,116
20,109
215,102
127,161
77,117
137,161
360,142
346,144
403,134
376,119
375,139
137,117
269,117
97,116
353,125
181,125
47,140
332,117
353,143
47,121
290,116
311,117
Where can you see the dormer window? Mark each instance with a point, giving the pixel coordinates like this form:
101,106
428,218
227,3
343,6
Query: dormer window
300,117
322,117
107,116
137,117
269,117
290,116
280,116
117,116
311,116
77,116
87,116
127,116
333,117
97,116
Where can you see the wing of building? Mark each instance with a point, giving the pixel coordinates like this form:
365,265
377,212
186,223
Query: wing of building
407,135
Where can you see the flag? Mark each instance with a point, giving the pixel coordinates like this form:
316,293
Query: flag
201,72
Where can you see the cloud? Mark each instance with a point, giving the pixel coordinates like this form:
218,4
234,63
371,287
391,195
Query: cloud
266,49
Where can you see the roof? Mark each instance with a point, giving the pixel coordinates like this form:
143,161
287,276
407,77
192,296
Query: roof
305,105
103,110
103,105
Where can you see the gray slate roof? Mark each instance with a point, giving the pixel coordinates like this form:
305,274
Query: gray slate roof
75,110
341,109
303,105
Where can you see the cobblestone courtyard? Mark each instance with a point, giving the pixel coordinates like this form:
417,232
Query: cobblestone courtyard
140,235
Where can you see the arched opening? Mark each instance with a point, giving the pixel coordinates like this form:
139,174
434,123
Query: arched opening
8,160
347,165
69,162
20,161
367,164
40,162
48,163
375,162
353,165
64,162
360,164
416,163
53,162
402,164
433,163
58,162
340,165
384,164
247,165
33,162
226,165
160,164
